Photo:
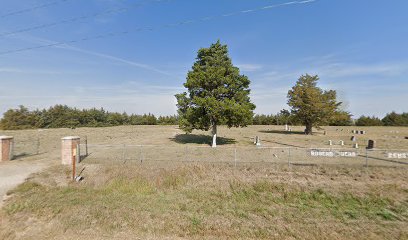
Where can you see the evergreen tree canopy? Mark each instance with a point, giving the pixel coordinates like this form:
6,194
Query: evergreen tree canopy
310,104
369,121
395,119
217,93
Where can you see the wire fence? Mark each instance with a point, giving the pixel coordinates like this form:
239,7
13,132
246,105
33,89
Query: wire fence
26,146
235,156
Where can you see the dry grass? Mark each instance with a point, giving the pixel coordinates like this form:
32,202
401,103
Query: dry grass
172,143
209,202
187,201
386,137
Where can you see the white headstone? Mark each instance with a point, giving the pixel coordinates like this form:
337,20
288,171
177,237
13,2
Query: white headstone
258,141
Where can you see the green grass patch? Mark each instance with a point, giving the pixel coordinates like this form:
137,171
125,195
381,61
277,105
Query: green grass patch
133,203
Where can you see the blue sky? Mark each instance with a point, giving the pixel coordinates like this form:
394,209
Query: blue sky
357,47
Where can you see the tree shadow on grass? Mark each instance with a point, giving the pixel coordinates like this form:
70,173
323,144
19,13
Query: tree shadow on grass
283,132
201,139
25,155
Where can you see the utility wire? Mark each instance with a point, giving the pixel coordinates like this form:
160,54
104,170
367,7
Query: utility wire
33,8
84,17
113,34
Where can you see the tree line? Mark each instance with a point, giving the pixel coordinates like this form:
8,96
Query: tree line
62,116
341,119
391,119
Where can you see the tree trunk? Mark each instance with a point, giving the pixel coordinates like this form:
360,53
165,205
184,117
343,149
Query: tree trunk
309,129
214,133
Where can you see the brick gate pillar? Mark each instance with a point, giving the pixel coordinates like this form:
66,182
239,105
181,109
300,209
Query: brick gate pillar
69,149
6,148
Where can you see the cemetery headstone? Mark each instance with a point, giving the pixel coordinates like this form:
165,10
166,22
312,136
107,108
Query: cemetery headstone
257,141
371,144
353,139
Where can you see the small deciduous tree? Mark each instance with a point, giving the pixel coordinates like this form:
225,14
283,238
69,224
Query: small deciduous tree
217,93
310,104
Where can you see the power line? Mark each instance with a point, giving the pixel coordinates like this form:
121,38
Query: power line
113,34
33,8
84,17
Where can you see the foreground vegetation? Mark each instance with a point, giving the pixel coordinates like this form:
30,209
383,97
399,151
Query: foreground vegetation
197,202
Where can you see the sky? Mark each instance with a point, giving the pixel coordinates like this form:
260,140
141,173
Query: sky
133,55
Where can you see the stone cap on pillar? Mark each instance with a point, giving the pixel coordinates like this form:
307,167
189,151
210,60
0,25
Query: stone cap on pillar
70,138
6,137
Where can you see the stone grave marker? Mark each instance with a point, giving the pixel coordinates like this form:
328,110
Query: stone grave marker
257,141
371,144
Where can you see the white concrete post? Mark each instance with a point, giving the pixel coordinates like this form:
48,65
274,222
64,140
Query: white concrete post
6,148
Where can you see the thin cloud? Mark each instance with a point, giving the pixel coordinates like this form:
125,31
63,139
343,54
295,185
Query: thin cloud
346,70
93,53
249,67
28,71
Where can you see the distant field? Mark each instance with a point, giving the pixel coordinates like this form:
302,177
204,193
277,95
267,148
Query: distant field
273,136
168,143
189,200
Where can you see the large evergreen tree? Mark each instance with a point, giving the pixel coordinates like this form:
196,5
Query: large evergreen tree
217,93
310,104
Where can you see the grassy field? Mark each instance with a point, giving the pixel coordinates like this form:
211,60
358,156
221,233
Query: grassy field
207,201
168,143
272,136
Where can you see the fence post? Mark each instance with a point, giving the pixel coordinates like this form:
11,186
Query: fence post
123,153
185,154
141,154
289,156
73,164
86,145
78,153
38,144
235,157
366,165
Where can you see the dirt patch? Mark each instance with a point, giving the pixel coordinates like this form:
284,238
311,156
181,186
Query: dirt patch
14,173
